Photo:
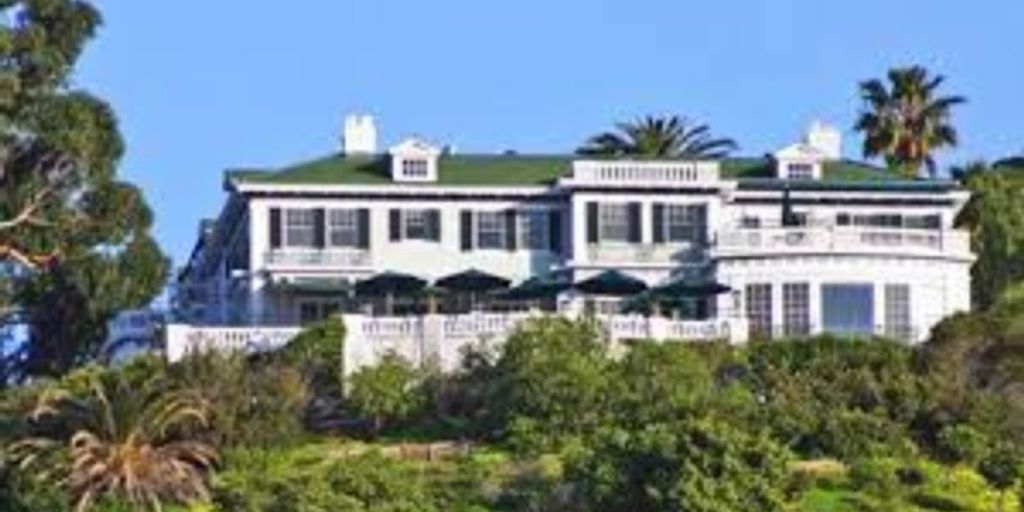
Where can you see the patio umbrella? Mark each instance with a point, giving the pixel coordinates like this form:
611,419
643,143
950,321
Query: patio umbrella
473,282
539,287
388,285
690,288
613,283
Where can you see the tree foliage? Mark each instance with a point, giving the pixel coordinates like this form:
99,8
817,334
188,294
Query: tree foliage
75,241
659,137
386,392
906,121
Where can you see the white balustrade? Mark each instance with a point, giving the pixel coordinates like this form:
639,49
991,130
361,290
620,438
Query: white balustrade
843,239
636,253
182,339
298,257
640,173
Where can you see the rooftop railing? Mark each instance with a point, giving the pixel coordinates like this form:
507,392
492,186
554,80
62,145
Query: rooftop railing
639,173
839,239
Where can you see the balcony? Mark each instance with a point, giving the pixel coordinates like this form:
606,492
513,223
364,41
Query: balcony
318,258
638,173
842,240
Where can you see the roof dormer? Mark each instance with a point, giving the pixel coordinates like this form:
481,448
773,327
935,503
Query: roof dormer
414,160
805,160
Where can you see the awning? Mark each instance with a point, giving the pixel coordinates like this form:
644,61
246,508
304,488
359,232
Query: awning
473,281
611,282
390,284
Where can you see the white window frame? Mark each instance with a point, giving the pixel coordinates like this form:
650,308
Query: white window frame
612,217
532,230
490,230
898,323
682,223
800,171
343,227
796,309
416,219
300,223
415,167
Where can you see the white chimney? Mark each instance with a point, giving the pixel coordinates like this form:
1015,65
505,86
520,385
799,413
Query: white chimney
360,135
825,138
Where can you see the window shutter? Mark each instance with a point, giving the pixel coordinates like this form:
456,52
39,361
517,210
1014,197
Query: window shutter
275,228
634,223
363,221
555,231
395,224
592,222
319,228
434,224
659,223
466,229
510,230
702,224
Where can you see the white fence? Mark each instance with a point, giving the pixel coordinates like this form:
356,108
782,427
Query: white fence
438,339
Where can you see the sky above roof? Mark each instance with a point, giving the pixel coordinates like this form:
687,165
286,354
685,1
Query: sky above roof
201,86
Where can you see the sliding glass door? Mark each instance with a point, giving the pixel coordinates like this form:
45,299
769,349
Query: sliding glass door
848,308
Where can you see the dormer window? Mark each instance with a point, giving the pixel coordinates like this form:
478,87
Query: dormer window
415,168
800,171
414,160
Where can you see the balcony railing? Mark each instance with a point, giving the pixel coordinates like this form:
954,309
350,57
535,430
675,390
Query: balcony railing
318,258
642,253
635,173
843,240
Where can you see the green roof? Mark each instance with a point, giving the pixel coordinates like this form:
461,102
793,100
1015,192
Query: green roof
523,170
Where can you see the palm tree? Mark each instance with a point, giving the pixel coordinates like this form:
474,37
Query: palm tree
123,441
659,137
906,122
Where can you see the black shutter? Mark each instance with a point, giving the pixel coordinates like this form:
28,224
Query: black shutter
363,222
319,227
510,230
555,231
592,222
395,224
659,223
434,225
634,223
275,228
466,229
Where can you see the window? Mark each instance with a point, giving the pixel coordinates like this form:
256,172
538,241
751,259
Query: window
343,228
796,312
897,311
685,223
759,309
848,308
490,230
414,168
533,230
800,171
311,312
299,228
614,222
750,222
417,224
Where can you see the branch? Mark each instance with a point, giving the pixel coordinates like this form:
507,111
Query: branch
31,261
26,213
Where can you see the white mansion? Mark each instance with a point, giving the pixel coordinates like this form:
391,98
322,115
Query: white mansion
794,243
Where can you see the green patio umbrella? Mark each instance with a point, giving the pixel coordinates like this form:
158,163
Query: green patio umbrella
539,287
689,288
389,285
472,282
613,283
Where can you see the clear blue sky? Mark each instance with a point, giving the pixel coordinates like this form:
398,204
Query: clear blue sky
201,86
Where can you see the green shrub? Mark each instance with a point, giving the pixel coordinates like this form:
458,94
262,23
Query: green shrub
389,392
